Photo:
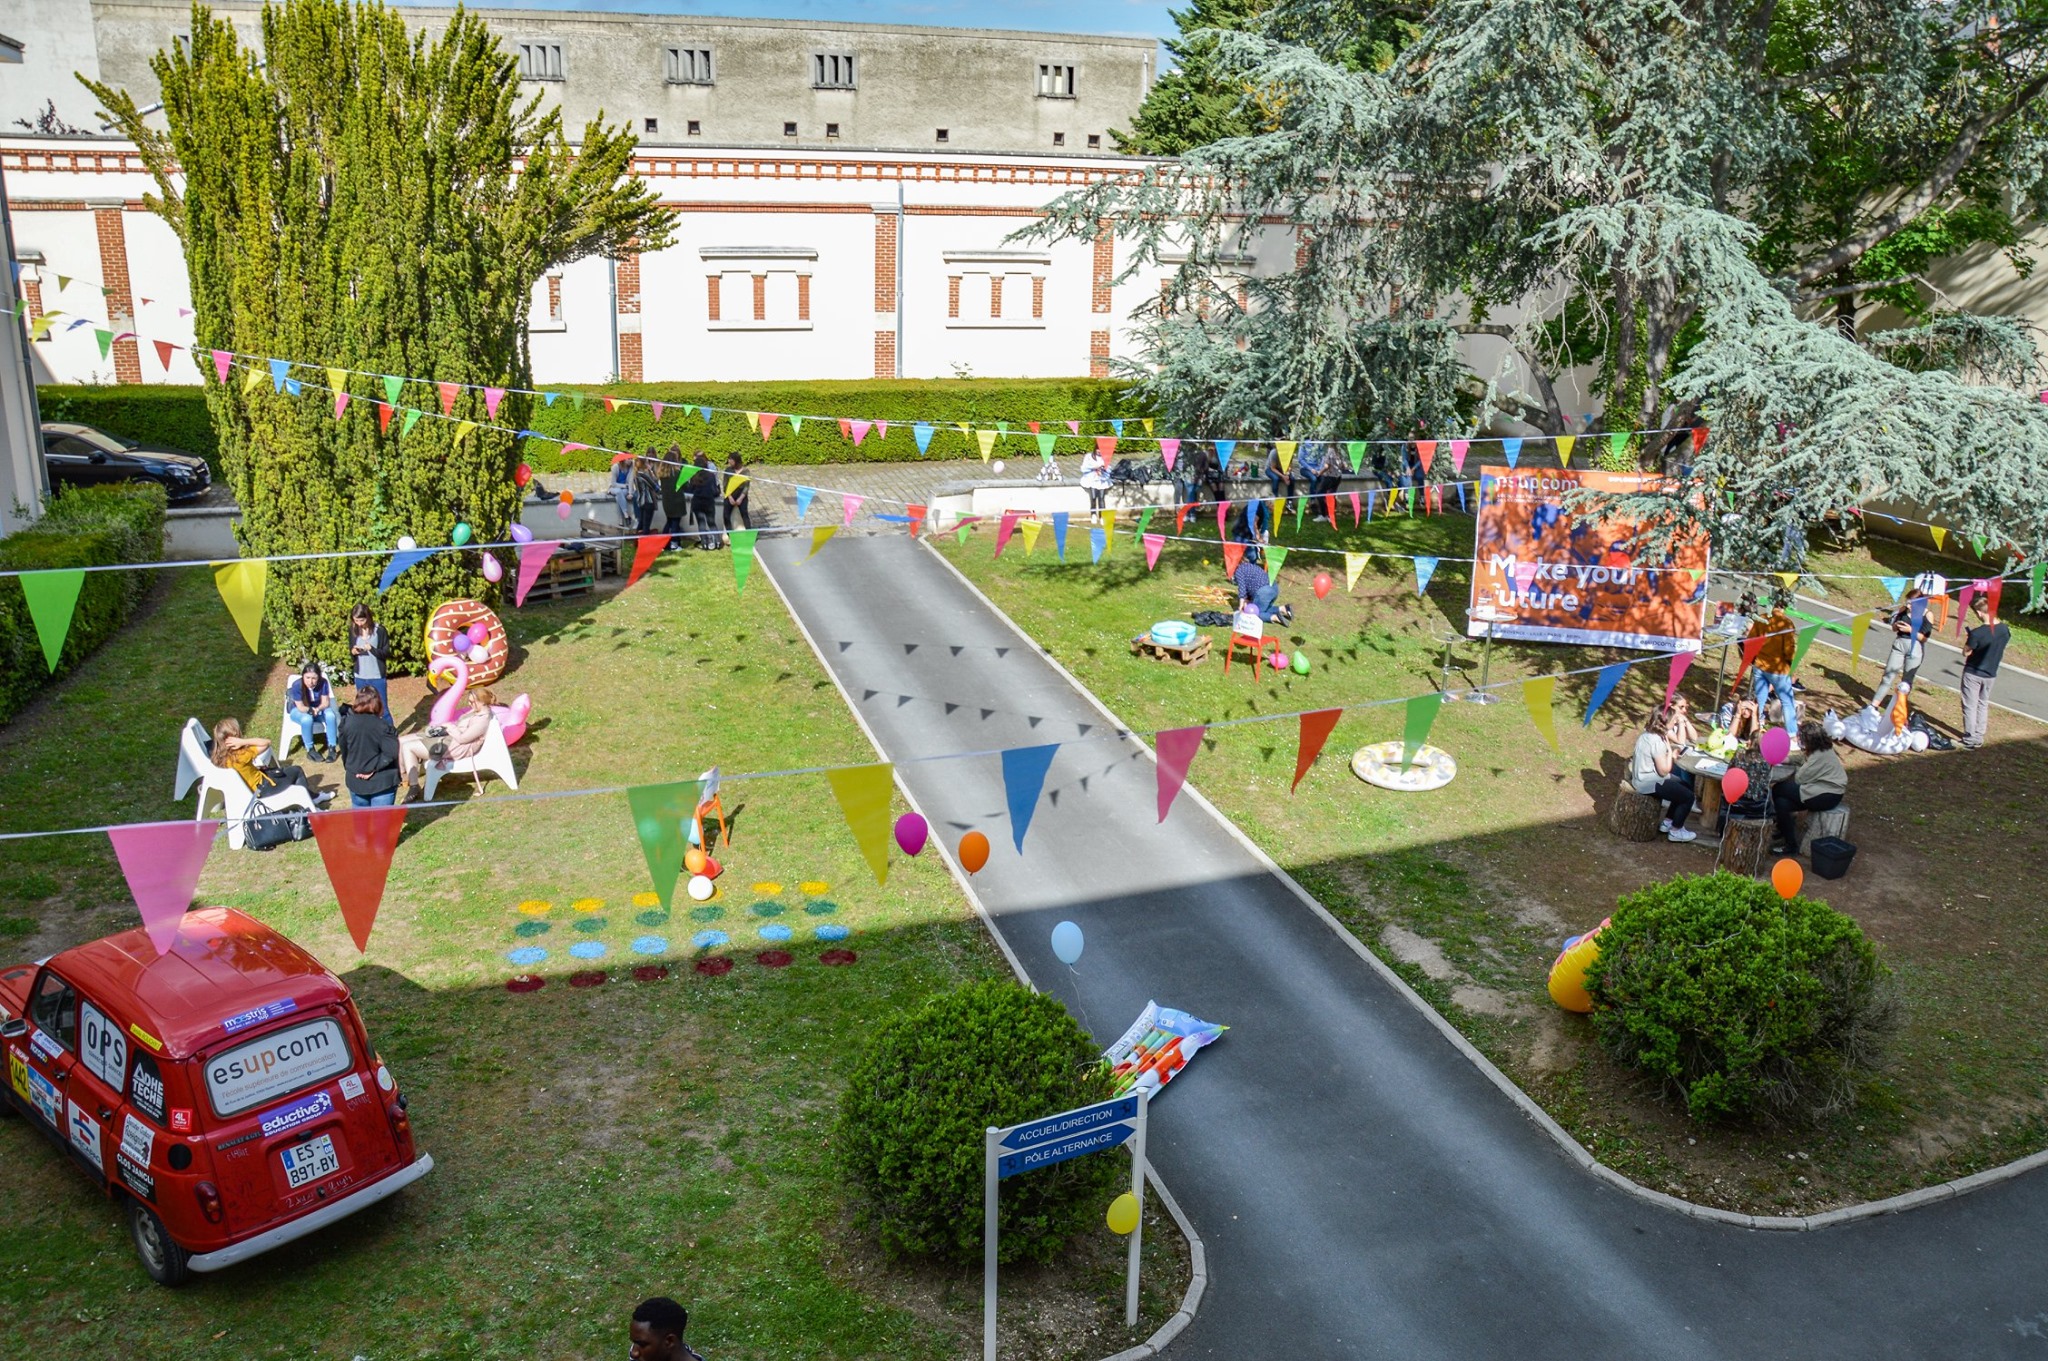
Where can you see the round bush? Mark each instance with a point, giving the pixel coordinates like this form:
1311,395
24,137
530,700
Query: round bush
1743,1002
926,1087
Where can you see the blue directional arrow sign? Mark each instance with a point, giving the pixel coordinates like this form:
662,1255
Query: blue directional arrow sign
1077,1121
1044,1155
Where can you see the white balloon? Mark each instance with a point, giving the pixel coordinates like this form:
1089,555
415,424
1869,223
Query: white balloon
700,887
998,465
406,544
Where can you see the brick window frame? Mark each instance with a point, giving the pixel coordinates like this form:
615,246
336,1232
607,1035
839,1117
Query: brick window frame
995,265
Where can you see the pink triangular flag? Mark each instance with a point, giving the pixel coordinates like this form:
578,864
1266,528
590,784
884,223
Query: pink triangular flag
1681,662
850,504
163,352
1153,543
1073,427
1169,450
1006,528
532,557
186,312
657,410
493,396
1175,748
1222,513
860,431
1354,509
221,360
881,429
646,548
162,861
340,404
1458,448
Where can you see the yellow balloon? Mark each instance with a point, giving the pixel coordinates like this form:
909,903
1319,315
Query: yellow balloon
1123,1213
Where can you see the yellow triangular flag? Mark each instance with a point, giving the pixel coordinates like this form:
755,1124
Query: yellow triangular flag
1354,563
1108,532
250,383
1147,423
462,429
1285,448
1791,579
337,380
736,480
753,420
1029,529
987,440
863,794
819,537
241,590
1537,693
962,426
1564,460
1859,629
1940,536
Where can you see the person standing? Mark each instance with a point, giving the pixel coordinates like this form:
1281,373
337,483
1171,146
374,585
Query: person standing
310,700
1774,663
735,497
1983,650
1909,641
657,1332
1095,481
675,500
368,645
703,486
646,496
369,753
622,488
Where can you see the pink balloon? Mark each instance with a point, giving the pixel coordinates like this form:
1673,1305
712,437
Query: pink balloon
1775,745
492,571
911,833
521,534
562,508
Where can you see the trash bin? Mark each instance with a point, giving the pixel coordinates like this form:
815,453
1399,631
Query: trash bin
1831,856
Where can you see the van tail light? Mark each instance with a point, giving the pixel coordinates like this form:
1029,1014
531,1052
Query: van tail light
401,1123
209,1201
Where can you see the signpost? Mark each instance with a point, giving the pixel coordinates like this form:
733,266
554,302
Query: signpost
1038,1144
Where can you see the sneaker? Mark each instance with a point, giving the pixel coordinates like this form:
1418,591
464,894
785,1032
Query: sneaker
1665,825
1682,834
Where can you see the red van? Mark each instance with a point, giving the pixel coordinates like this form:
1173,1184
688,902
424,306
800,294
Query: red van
224,1093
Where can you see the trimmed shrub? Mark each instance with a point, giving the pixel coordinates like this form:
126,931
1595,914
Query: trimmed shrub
152,413
927,1086
1743,1002
83,527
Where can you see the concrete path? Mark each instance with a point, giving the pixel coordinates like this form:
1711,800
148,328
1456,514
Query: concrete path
1362,1188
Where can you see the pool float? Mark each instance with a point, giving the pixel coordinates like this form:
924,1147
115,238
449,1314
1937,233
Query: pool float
1568,970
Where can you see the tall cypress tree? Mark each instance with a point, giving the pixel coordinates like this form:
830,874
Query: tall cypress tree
370,200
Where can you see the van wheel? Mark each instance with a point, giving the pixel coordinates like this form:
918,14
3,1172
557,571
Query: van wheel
161,1258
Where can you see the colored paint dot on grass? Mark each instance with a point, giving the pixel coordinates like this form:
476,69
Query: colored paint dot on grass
657,917
815,887
837,957
823,907
587,904
525,982
589,924
647,900
776,931
650,945
706,914
833,932
767,888
709,940
593,979
712,968
774,959
769,909
528,930
649,973
588,949
534,907
526,954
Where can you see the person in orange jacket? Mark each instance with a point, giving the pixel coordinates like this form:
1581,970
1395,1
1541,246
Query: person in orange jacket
1774,662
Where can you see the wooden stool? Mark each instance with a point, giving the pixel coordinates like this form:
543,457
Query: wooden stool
1635,817
1828,822
1744,843
1253,645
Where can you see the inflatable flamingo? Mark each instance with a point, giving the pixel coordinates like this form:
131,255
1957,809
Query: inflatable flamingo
512,717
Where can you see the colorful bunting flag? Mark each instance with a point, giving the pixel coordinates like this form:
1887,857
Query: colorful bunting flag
356,845
1175,749
1030,530
1354,511
1169,449
1284,451
1425,568
1511,450
532,558
1805,639
493,396
1233,554
646,548
863,795
1564,450
1005,528
1105,446
1224,449
916,516
987,440
1024,771
1356,449
768,419
1276,558
1860,629
1059,532
1145,518
1538,694
1603,686
1045,443
661,813
163,353
221,360
1458,449
1354,563
162,861
2037,581
340,404
401,561
1699,438
860,431
803,500
52,599
819,538
1940,536
849,506
280,370
412,418
1681,662
1421,717
1097,544
1425,450
241,585
383,418
1153,543
655,405
448,391
1315,730
1896,586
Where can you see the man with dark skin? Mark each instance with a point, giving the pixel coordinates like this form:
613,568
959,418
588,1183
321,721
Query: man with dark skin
657,1333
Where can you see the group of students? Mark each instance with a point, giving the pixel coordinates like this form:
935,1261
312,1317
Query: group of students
1816,782
693,498
376,759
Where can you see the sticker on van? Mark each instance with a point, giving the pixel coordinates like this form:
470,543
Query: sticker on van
42,1094
146,1088
270,1011
17,1074
85,1133
102,1045
291,1117
138,1140
276,1065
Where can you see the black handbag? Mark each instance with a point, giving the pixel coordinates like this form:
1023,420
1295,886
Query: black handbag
266,828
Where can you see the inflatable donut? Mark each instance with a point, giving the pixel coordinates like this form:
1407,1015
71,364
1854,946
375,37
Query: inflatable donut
1380,764
1568,970
486,662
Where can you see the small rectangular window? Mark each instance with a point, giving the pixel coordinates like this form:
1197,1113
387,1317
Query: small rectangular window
542,61
1055,82
941,135
276,1065
789,129
831,129
694,128
1094,141
832,71
650,124
689,66
1059,139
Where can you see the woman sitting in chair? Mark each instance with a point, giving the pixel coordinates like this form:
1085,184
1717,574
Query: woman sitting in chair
232,751
457,742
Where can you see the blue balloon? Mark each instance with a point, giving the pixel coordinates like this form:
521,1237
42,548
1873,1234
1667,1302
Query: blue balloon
1066,942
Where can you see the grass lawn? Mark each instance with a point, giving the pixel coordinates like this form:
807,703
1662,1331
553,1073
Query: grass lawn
594,1145
1471,890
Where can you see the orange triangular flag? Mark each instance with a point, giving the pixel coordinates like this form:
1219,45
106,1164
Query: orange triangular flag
1315,730
448,391
1233,553
356,845
646,549
383,418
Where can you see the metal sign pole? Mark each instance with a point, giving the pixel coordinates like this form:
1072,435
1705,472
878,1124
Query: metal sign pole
1138,1191
988,1244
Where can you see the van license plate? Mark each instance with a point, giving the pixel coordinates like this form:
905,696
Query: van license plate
310,1161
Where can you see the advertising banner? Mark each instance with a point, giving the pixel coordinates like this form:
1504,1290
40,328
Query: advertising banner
1547,575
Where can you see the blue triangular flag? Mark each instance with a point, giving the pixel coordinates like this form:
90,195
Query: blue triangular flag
1097,540
1511,450
1896,585
291,386
548,398
922,433
803,501
1370,497
1059,532
1023,779
411,557
705,412
1117,426
529,434
1603,686
1461,494
1916,610
1425,568
280,369
1224,448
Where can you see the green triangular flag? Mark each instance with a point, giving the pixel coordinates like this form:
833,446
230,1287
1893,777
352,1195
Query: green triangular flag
412,418
1977,544
742,541
1421,716
796,425
106,340
1300,509
2039,579
392,387
1045,445
1805,637
1617,442
576,400
660,812
52,597
1355,448
1145,518
1275,556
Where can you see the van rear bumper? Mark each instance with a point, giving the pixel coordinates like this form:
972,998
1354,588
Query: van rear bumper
316,1221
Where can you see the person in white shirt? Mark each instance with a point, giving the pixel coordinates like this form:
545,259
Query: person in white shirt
1095,480
1651,771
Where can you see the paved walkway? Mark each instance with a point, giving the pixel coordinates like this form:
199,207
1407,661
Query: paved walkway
1363,1190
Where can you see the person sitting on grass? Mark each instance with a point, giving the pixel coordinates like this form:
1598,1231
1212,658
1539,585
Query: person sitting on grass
459,741
1819,782
243,755
1651,771
1256,591
657,1332
310,700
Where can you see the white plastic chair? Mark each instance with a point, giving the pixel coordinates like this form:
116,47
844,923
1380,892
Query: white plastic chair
289,733
493,758
194,765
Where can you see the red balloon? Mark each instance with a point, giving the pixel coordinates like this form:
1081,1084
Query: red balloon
1735,783
1322,584
521,475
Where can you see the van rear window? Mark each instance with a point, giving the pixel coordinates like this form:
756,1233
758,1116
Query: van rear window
276,1065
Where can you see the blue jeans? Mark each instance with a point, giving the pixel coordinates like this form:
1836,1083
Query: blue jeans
1264,600
383,694
327,718
384,800
1780,681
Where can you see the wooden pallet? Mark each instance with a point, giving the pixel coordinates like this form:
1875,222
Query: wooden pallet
566,574
1193,654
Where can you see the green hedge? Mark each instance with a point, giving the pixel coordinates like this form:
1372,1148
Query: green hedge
83,527
177,416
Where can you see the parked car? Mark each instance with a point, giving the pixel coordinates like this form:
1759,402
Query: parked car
83,456
224,1094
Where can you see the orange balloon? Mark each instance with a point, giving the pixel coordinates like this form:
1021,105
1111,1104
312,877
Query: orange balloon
973,852
1786,876
694,860
568,498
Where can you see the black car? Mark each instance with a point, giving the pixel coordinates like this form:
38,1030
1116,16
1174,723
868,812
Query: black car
81,456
